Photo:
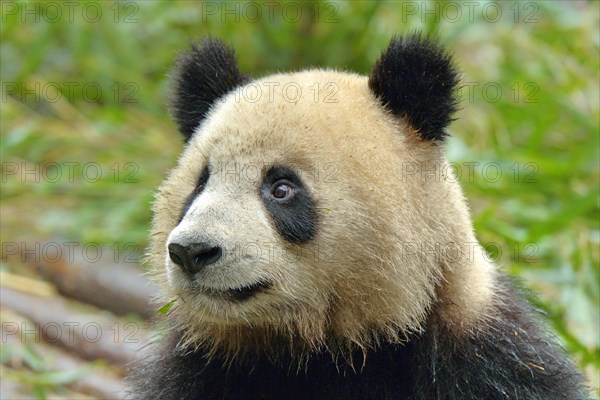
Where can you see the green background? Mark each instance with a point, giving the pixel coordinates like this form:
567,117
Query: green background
88,84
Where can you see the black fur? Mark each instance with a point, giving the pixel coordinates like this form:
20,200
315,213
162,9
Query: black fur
415,79
201,76
296,218
202,181
510,358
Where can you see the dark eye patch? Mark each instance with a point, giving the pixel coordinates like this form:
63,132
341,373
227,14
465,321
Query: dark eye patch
200,185
294,217
202,180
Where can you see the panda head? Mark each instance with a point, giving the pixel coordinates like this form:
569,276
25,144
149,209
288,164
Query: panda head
315,206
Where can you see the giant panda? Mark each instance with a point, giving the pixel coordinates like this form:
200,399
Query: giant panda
310,251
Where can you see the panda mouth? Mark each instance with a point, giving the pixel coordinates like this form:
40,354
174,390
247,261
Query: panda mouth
239,294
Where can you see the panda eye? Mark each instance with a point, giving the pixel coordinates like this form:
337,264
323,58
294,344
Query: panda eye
282,190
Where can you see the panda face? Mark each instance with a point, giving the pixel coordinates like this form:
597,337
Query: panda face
292,212
297,216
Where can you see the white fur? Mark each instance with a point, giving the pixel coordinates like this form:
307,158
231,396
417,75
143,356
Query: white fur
375,279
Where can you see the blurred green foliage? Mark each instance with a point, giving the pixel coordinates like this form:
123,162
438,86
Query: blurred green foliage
84,89
39,376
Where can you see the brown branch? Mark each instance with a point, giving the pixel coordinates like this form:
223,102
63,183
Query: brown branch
91,335
116,286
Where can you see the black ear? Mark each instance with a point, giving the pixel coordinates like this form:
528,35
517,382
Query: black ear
201,76
415,78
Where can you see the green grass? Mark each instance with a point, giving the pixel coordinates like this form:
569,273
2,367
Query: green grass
539,219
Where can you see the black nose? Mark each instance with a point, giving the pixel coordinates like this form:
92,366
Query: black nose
193,257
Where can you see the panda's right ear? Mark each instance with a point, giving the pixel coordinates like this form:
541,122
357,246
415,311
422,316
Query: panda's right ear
202,75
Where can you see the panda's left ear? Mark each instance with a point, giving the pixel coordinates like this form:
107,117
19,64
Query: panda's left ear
207,72
415,79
